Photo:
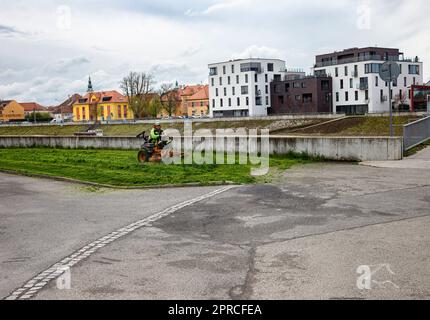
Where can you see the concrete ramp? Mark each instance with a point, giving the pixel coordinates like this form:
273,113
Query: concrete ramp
420,160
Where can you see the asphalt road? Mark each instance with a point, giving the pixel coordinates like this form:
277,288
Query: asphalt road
304,236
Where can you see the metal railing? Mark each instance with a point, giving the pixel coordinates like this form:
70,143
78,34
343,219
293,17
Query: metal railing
416,133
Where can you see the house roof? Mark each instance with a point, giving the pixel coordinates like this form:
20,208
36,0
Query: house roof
201,94
66,106
32,106
190,90
4,103
105,97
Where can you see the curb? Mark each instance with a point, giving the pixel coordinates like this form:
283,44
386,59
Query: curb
108,186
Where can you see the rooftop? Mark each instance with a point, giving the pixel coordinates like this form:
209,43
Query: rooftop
247,59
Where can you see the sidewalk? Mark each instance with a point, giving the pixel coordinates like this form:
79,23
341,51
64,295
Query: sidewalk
421,160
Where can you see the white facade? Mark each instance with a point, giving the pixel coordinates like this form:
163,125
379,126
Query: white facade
358,85
240,88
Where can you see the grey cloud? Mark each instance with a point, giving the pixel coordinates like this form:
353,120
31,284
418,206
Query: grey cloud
9,31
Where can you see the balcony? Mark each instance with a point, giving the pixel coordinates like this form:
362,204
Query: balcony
362,86
364,58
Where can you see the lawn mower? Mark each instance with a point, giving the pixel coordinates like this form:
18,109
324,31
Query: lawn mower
151,152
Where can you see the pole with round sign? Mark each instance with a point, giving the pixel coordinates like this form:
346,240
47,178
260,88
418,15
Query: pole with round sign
389,72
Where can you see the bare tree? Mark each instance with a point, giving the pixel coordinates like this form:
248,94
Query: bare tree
169,98
400,101
138,88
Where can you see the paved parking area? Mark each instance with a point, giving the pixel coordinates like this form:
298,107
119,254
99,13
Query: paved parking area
301,237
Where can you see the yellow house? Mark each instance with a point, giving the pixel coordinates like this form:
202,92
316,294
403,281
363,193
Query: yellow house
11,110
106,105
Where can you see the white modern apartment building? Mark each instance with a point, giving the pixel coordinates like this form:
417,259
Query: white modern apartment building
241,88
357,87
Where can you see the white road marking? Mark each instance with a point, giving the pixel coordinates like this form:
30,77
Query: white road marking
37,283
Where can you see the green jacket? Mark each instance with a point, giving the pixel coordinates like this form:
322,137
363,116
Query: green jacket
155,135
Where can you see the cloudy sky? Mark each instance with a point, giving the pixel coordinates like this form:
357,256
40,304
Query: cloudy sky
49,47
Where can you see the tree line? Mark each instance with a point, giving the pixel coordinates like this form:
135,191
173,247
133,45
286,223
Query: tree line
144,100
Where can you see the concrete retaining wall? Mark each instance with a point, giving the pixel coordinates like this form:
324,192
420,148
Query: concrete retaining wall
332,148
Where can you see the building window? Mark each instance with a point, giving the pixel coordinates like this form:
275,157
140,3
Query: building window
229,102
221,102
247,101
414,81
377,81
337,96
296,84
405,82
228,80
346,96
119,111
307,98
325,85
351,83
233,91
220,81
125,112
372,67
356,95
281,99
287,87
298,97
336,72
213,71
232,68
244,90
213,103
246,78
277,77
212,82
346,71
414,69
303,85
270,67
237,79
401,68
267,100
266,78
366,94
223,70
238,101
216,92
267,89
341,84
225,92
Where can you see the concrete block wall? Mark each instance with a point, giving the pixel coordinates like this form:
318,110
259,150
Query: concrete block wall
331,148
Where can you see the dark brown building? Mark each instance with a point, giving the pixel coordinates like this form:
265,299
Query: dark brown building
305,95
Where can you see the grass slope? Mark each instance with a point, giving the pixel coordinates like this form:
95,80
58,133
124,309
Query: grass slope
120,168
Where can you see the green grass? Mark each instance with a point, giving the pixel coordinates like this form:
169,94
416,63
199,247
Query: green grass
358,126
379,126
417,149
129,129
120,168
